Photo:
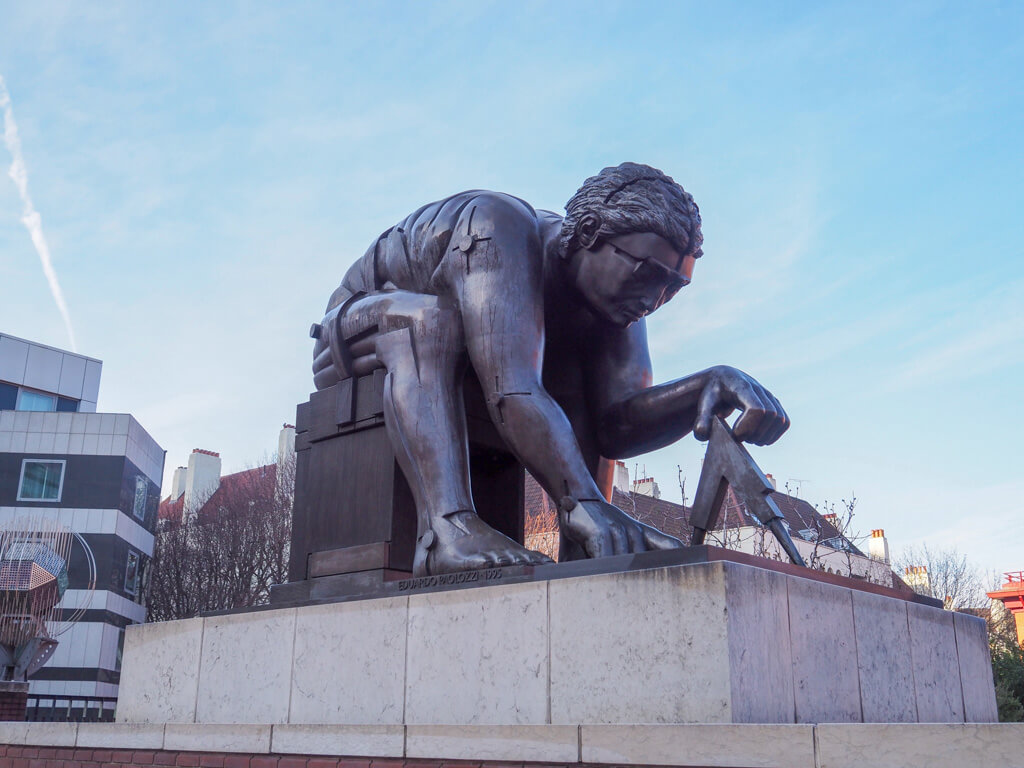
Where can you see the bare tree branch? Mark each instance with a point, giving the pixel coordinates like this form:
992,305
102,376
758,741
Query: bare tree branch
227,554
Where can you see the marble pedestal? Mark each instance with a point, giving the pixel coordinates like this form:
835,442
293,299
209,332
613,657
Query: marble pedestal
713,642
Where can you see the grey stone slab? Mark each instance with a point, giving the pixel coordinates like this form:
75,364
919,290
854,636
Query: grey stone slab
120,736
13,733
208,737
350,663
760,656
518,743
936,665
707,745
13,359
356,740
51,734
976,681
883,659
159,672
245,670
825,679
72,376
91,385
642,646
951,745
43,368
478,656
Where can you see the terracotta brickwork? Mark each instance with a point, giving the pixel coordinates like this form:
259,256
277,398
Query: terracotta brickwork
56,757
13,705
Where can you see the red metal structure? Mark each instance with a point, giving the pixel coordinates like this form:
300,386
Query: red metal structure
1012,596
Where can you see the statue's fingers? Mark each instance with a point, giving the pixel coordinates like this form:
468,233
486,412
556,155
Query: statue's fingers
705,412
655,539
779,424
769,422
636,538
620,539
754,412
600,544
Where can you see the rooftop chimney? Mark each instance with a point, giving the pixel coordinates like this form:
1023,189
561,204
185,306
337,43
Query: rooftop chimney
773,481
621,480
647,487
178,483
916,577
202,479
285,442
878,546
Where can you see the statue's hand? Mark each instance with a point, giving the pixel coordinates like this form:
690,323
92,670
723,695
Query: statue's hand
603,529
763,419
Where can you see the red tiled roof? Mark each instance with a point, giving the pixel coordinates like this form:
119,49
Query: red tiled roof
674,519
229,485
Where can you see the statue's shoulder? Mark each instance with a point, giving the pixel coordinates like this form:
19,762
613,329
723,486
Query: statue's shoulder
439,219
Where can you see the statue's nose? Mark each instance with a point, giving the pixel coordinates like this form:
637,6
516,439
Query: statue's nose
686,268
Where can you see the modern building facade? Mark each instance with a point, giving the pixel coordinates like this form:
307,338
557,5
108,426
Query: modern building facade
97,473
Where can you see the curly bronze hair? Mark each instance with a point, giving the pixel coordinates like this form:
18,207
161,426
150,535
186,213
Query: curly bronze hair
635,198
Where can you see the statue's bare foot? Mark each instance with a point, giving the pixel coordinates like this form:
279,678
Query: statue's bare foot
599,529
462,541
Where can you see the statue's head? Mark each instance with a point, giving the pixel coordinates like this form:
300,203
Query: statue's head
631,236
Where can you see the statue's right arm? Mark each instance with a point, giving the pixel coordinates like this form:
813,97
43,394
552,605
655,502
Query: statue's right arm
498,286
636,416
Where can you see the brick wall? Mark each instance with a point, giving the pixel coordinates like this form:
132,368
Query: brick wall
13,705
57,757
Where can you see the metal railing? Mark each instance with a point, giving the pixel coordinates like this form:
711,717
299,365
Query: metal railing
1014,578
53,708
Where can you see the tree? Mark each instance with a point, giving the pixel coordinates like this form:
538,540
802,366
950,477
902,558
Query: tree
228,553
1007,660
951,577
1007,665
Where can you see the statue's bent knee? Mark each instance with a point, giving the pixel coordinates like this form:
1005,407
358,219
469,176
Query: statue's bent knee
431,336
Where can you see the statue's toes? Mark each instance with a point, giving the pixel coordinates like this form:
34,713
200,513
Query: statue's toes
455,560
499,559
539,558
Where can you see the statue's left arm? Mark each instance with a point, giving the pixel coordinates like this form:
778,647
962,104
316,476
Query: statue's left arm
634,416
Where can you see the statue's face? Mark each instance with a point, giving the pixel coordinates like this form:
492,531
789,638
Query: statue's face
626,277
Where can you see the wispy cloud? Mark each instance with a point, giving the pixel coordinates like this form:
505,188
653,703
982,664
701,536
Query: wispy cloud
984,335
30,216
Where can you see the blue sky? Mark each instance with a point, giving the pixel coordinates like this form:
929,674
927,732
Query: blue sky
205,173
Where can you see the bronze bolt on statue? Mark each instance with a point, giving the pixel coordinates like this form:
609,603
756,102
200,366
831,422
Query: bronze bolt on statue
549,312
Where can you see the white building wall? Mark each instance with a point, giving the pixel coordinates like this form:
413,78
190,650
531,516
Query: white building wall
761,542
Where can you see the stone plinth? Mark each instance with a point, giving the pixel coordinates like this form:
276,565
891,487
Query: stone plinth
714,642
78,745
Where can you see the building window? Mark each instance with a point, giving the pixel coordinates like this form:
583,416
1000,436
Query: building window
67,405
131,574
41,480
36,401
8,397
120,650
139,502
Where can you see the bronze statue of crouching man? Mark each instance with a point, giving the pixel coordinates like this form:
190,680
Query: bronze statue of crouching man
550,313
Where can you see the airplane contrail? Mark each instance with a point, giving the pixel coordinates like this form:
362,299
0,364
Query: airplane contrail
30,216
